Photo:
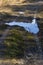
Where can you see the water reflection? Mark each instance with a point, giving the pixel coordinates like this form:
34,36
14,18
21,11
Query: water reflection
30,27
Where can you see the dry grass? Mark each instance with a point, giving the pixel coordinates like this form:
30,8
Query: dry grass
19,4
11,61
15,13
20,62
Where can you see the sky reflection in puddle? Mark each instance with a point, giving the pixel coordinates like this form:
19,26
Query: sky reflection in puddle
30,27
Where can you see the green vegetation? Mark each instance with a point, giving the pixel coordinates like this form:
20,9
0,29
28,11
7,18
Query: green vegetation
16,42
